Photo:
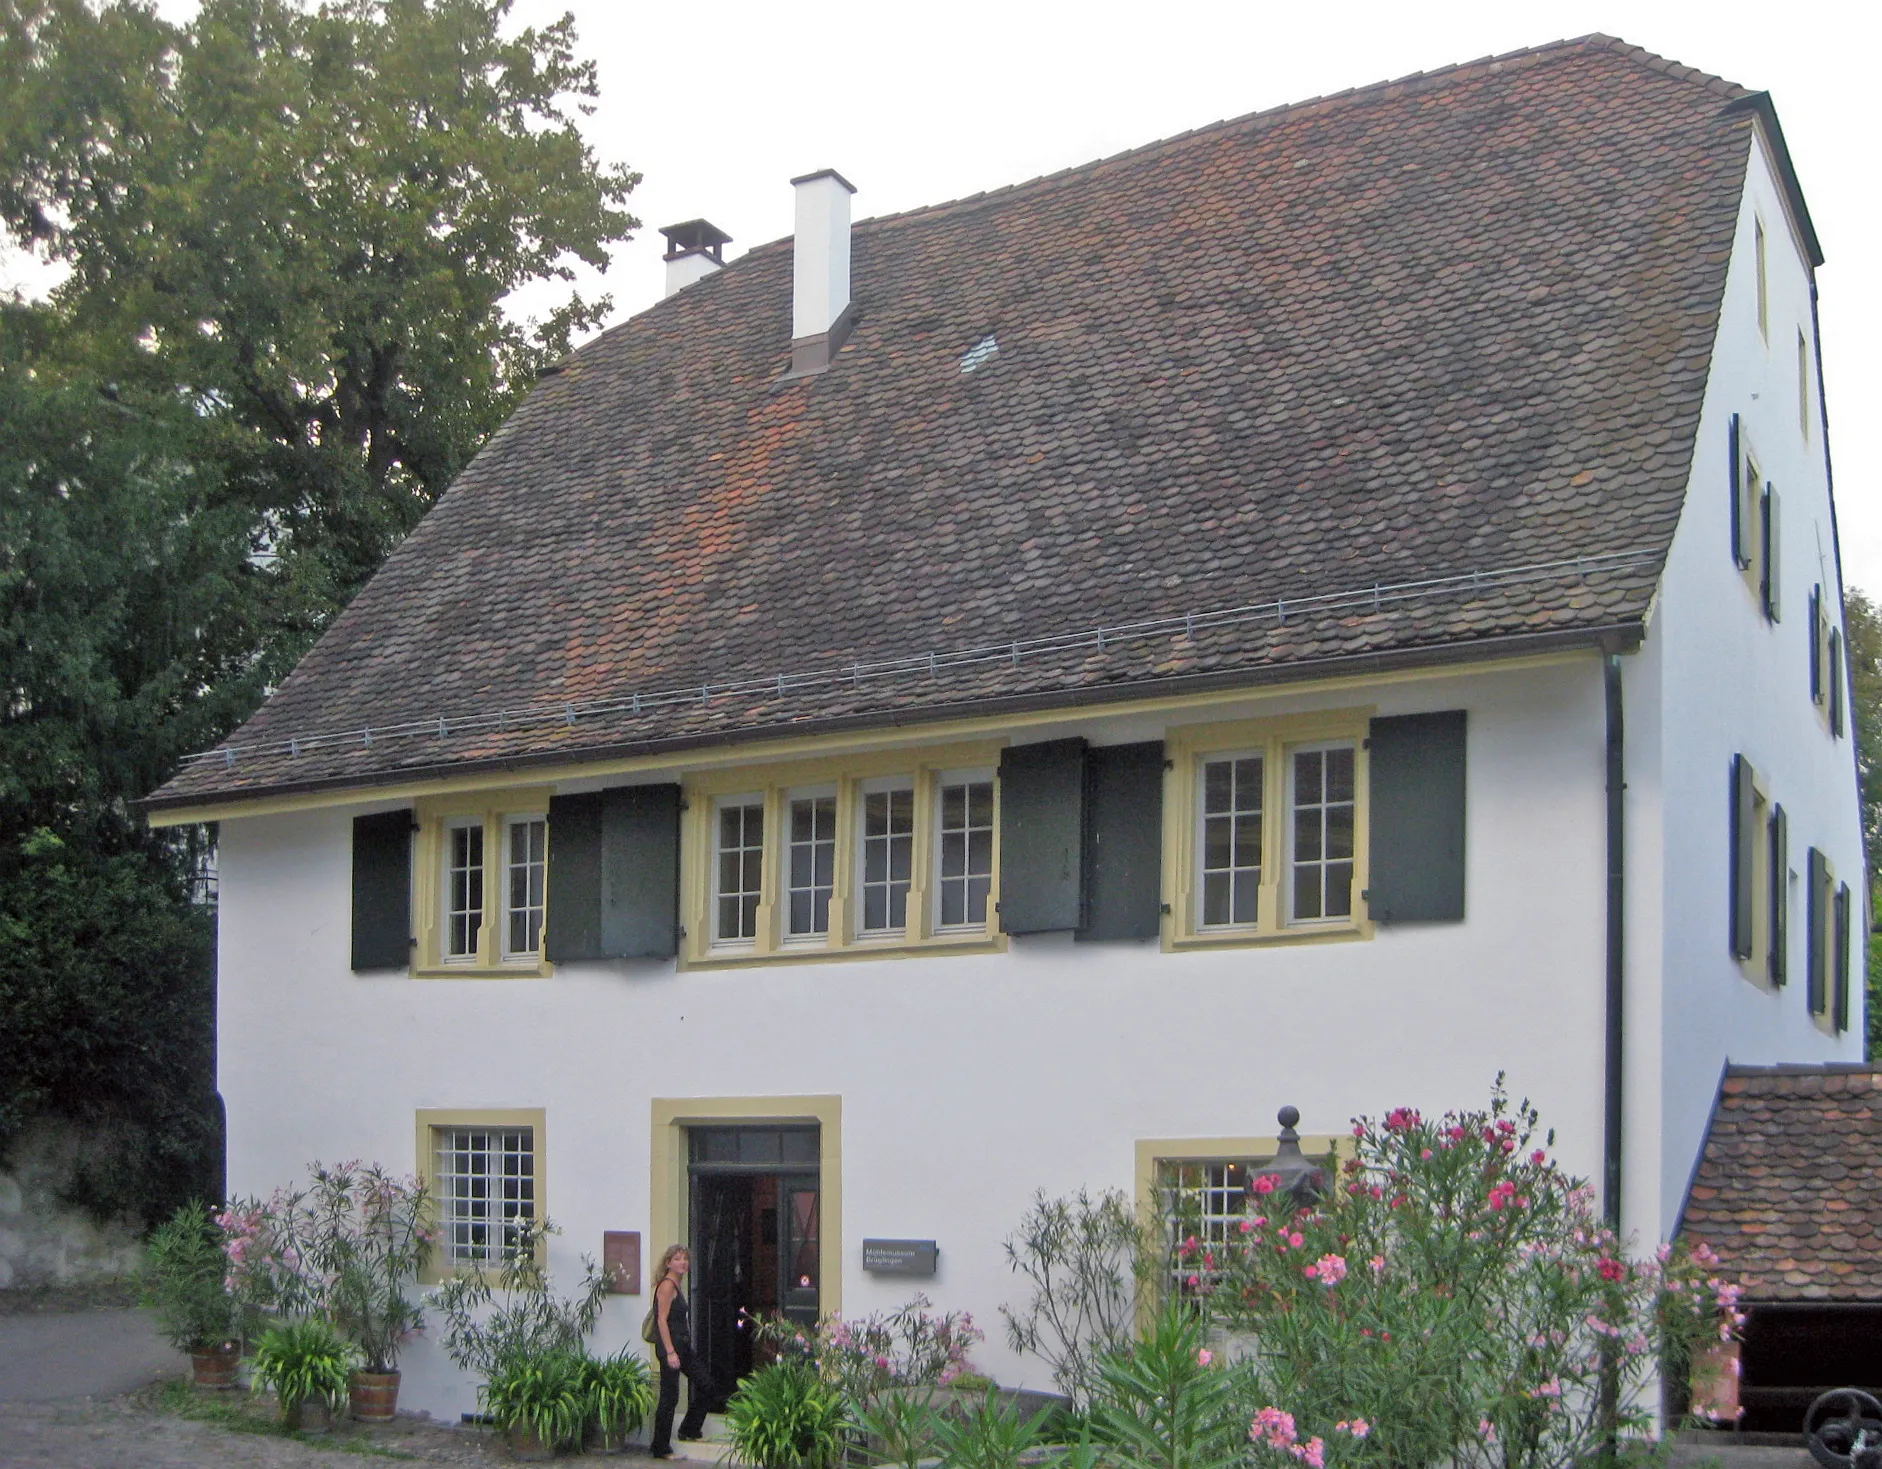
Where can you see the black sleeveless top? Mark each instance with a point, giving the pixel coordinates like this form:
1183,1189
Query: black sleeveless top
679,1326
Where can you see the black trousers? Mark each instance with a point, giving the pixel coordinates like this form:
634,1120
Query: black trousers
694,1371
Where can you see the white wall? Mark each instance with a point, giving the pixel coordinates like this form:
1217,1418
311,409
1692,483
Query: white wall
966,1082
1733,683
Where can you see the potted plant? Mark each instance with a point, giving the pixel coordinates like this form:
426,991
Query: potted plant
367,1236
307,1366
184,1282
537,1400
619,1394
785,1417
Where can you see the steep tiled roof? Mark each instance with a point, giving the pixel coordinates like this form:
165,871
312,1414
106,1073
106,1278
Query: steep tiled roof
1443,328
1787,1189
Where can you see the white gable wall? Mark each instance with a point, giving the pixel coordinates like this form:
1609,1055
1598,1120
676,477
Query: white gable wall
1732,683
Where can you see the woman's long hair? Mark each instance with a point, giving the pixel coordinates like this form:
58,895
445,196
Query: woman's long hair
666,1259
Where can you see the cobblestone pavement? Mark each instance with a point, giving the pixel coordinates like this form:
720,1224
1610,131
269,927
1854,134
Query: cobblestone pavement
133,1433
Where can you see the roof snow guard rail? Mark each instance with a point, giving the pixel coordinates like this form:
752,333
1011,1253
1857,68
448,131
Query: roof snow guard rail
934,664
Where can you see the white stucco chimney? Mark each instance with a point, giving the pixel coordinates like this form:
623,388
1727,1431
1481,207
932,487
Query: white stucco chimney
821,311
694,251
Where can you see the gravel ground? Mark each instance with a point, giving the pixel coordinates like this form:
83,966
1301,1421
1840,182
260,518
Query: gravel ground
135,1432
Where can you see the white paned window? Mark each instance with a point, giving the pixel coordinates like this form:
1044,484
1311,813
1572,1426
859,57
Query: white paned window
526,851
888,854
739,872
486,1190
1320,839
964,831
1230,858
1204,1200
463,889
811,863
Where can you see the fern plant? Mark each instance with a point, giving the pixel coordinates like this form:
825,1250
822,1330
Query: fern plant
304,1361
542,1393
784,1417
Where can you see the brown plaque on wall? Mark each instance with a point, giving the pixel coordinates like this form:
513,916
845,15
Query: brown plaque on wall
620,1261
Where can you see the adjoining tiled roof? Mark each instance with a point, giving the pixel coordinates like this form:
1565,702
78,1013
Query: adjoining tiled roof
1788,1190
1441,328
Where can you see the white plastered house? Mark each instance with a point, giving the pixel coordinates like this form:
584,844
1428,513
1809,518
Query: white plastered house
1318,611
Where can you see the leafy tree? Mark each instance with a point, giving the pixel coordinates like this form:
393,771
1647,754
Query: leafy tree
289,232
1863,621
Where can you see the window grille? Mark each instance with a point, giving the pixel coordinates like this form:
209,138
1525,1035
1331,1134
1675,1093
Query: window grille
464,890
741,868
486,1181
1205,1200
1322,865
812,864
966,828
888,857
528,856
1231,840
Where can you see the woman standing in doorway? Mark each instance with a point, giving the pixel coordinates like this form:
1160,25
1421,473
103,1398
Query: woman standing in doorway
673,1342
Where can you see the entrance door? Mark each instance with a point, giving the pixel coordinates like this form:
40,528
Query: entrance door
755,1235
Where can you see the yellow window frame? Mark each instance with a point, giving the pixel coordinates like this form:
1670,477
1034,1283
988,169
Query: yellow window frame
847,775
1276,740
428,1123
492,810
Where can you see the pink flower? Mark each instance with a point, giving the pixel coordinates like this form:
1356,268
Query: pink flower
1538,1157
1358,1428
1611,1269
1332,1269
1297,1240
1272,1426
1487,1429
1264,1184
1402,1119
1313,1453
1378,1264
1247,1225
1204,1357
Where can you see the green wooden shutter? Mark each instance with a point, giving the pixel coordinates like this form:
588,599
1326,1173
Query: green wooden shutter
1416,831
1816,920
1839,958
1123,842
573,921
1744,834
1816,643
1836,682
1741,533
1770,587
382,890
1042,842
1779,969
614,866
640,872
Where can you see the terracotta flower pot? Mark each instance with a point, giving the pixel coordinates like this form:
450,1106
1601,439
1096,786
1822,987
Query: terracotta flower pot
309,1415
215,1370
599,1440
373,1397
529,1446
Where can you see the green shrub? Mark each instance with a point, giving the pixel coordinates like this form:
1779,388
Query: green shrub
183,1281
540,1391
1163,1403
304,1360
618,1391
904,1424
992,1434
784,1417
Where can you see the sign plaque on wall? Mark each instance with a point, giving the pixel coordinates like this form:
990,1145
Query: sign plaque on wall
899,1256
620,1261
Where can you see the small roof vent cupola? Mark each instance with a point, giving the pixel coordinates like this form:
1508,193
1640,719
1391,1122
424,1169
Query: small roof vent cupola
695,250
821,310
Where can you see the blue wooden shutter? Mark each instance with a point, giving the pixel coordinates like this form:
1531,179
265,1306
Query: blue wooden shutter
1123,842
1042,836
1416,829
382,890
1816,921
614,867
1744,834
1839,958
1769,586
1780,897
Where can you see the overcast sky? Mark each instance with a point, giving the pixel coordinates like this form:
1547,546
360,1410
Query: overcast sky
718,103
